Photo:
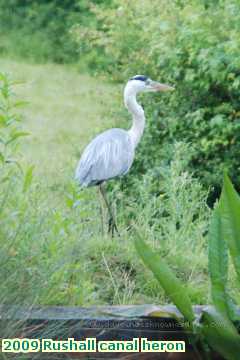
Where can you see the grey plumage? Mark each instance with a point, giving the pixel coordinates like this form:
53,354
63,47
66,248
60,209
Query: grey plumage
108,155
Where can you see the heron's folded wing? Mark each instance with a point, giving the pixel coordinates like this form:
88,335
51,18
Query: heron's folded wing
108,155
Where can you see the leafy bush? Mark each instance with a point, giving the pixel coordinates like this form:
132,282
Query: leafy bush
41,30
195,46
216,326
178,213
11,178
10,133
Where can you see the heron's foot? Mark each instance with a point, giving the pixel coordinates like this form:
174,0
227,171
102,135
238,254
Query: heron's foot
112,227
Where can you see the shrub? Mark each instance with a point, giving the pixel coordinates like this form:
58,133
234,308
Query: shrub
41,30
195,46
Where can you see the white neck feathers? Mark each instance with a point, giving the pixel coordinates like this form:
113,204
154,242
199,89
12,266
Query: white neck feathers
137,128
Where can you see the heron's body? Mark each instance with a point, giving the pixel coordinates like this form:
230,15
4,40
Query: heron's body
111,153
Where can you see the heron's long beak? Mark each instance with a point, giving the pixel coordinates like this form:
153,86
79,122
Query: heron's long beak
156,86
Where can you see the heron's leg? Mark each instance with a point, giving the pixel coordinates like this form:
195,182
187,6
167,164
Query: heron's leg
101,211
111,223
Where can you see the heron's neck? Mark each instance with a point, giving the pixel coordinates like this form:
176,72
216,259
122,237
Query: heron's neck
137,128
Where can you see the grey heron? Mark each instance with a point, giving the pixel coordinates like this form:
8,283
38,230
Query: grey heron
111,153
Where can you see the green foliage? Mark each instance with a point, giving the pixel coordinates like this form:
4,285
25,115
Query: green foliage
30,234
40,30
216,325
171,285
221,334
230,212
218,262
10,131
169,201
175,221
193,45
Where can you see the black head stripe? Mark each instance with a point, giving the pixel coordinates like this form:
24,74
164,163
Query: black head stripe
139,77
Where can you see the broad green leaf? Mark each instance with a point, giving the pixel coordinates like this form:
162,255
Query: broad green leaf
218,262
28,178
174,289
230,213
221,334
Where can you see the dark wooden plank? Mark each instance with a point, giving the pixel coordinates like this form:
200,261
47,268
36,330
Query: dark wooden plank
80,313
102,323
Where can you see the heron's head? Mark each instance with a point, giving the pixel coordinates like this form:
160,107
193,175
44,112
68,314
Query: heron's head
142,83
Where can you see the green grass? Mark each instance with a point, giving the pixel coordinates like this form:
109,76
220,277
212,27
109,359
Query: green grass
55,251
64,111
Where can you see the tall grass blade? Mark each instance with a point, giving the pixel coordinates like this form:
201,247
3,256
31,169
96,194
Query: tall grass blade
167,279
230,213
218,262
28,178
